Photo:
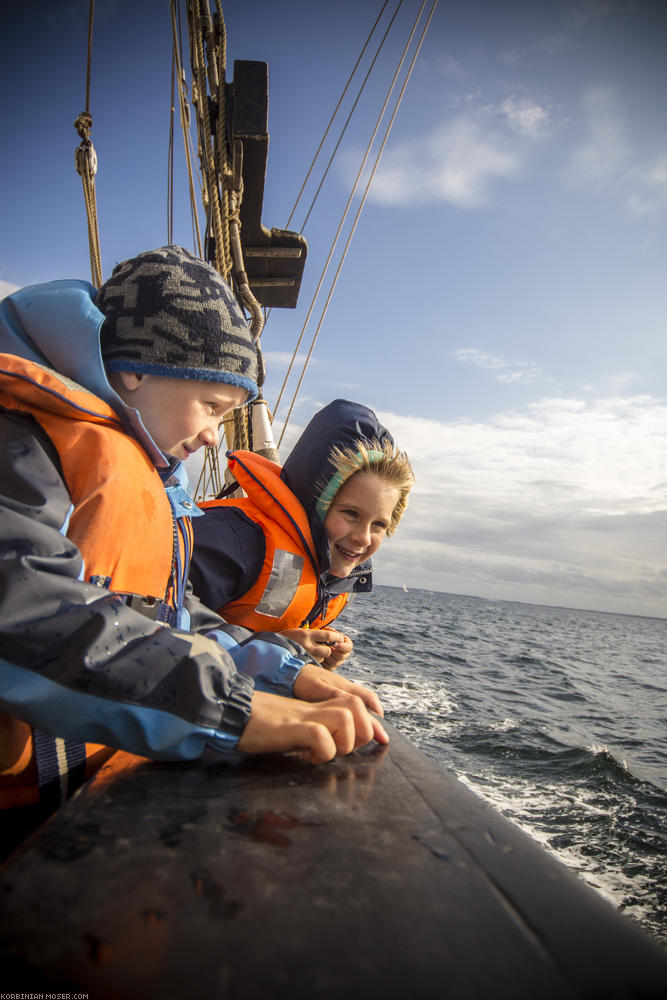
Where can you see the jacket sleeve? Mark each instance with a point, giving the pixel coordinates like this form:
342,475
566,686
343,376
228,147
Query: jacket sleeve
272,660
228,555
75,660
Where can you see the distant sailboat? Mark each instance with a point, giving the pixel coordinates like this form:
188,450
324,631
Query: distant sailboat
405,588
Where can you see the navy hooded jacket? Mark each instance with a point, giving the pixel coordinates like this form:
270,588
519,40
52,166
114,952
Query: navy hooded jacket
229,548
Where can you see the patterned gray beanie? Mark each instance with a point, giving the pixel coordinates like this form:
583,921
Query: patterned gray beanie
169,313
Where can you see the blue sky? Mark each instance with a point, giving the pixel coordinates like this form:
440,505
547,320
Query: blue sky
503,303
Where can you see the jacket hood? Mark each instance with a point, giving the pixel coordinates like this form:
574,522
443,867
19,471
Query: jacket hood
57,324
308,469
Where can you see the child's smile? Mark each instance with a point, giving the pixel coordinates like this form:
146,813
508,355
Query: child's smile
357,520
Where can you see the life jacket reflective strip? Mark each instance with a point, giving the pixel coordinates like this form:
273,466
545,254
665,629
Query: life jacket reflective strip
112,482
287,588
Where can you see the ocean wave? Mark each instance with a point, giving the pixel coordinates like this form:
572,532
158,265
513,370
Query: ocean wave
555,717
583,834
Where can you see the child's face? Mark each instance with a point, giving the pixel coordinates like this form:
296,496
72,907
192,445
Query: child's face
357,520
180,414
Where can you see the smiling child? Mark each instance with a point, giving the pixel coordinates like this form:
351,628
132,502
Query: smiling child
287,557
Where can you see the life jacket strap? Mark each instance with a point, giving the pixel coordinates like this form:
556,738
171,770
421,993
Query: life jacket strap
61,766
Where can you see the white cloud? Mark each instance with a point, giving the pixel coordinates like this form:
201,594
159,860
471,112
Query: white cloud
650,193
456,164
451,67
525,116
7,287
504,371
604,156
620,382
564,502
346,388
281,359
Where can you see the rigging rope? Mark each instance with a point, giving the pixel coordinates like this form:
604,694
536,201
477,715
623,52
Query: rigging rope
170,157
333,116
184,109
220,167
218,85
319,188
349,117
220,256
221,183
85,159
323,140
362,202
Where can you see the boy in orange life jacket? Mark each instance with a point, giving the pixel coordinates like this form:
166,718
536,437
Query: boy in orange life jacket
102,395
288,556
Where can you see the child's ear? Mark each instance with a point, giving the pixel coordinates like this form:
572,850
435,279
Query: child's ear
130,380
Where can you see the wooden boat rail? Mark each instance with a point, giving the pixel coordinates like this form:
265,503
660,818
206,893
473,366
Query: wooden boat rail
379,874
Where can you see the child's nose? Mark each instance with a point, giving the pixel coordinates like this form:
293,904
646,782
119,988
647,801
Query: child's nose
209,436
362,534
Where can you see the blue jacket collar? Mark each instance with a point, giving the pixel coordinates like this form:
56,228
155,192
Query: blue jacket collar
58,324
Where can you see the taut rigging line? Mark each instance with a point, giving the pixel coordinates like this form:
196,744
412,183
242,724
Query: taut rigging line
346,210
221,180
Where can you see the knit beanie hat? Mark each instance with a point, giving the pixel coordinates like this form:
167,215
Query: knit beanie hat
169,313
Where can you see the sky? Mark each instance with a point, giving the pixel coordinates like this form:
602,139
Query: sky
503,302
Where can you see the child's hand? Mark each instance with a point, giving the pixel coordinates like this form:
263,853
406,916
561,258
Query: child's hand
323,729
316,684
322,644
340,647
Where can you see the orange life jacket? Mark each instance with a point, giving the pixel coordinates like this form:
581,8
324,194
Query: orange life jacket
121,513
287,589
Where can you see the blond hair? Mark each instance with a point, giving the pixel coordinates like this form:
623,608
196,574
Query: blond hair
380,459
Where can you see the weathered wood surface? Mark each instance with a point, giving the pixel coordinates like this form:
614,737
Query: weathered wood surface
378,875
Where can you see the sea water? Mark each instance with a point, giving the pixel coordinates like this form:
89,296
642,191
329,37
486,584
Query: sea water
558,718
